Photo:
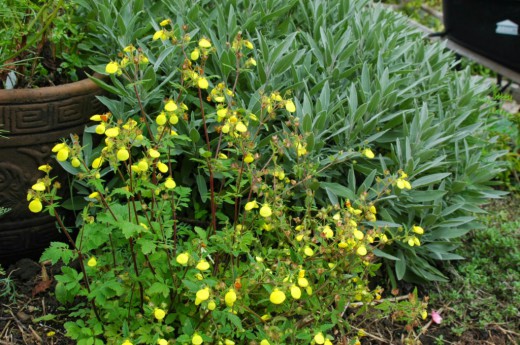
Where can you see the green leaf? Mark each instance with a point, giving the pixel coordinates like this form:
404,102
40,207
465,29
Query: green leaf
382,254
400,265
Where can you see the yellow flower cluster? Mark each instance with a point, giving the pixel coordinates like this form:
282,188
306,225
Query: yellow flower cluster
131,56
402,181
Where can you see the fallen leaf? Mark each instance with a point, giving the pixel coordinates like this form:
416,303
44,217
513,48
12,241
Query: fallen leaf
42,286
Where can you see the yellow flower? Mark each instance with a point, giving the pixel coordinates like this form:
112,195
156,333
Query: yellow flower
240,127
204,43
277,296
202,83
327,342
63,154
202,295
165,22
159,34
154,153
266,211
212,305
170,106
251,205
202,265
174,119
225,129
301,150
319,338
308,251
250,62
92,262
303,282
195,54
418,230
265,342
93,195
112,132
327,232
112,67
51,334
161,119
100,129
182,259
230,297
249,158
424,314
142,165
403,184
248,44
46,168
75,162
170,183
359,234
289,106
296,292
123,154
40,187
196,339
35,206
368,153
96,163
162,167
159,314
127,342
362,250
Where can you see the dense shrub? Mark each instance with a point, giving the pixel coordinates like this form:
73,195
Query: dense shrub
363,79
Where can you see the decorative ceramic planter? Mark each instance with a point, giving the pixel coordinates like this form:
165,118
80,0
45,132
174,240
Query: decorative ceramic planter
35,120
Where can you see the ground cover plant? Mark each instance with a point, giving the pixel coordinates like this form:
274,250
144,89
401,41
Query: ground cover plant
226,172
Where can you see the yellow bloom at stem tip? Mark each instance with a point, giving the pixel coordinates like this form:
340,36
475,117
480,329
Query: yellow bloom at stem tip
183,258
418,230
35,206
277,296
196,339
159,314
368,153
204,43
289,106
112,67
251,205
230,297
170,183
266,211
39,187
92,262
319,338
202,265
45,168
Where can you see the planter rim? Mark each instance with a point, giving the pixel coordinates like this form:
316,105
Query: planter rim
49,93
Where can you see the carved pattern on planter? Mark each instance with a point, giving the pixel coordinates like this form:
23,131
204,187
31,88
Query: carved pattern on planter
35,121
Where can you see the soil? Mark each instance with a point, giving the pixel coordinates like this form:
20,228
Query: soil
34,299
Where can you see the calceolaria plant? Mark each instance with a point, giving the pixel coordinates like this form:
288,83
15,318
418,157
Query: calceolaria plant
198,225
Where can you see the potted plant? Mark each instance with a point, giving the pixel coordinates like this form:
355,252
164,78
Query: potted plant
44,96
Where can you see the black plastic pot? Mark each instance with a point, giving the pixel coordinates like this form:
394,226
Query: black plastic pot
488,27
